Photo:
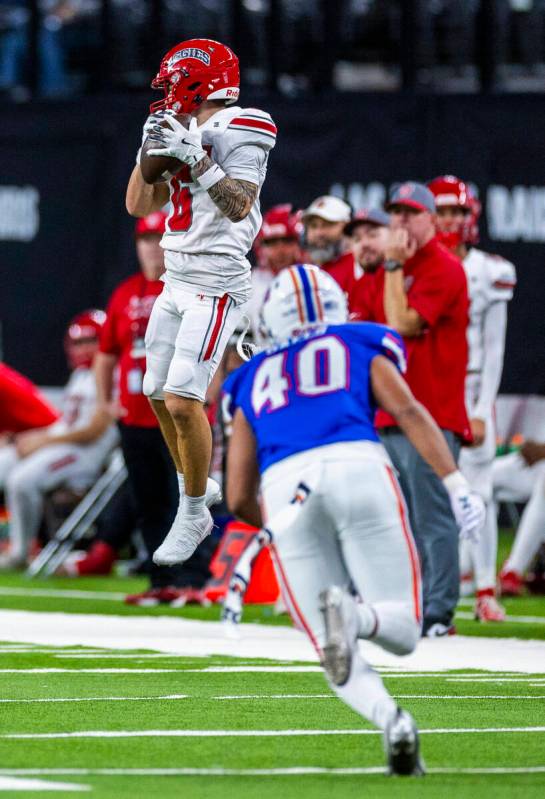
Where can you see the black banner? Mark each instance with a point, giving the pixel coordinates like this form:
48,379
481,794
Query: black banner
66,239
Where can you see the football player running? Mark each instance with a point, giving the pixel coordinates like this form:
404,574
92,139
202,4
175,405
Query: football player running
491,281
213,218
303,413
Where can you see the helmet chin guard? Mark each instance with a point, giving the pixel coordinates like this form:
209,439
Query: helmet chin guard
194,71
450,191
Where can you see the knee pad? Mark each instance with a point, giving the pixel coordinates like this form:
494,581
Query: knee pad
180,373
151,387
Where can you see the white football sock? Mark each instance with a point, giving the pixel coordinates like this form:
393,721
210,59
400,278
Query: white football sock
365,693
485,551
181,484
193,506
466,560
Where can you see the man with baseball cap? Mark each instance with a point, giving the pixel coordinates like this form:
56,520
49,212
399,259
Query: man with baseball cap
324,222
421,291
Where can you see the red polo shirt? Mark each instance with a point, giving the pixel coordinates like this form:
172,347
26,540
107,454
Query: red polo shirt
128,314
346,271
22,406
436,288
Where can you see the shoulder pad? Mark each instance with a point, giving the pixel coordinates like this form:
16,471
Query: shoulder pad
253,126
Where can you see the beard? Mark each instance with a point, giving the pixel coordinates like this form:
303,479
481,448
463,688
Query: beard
327,252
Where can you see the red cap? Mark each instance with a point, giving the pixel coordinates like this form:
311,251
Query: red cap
152,224
280,223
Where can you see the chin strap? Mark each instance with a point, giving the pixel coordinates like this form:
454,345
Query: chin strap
246,349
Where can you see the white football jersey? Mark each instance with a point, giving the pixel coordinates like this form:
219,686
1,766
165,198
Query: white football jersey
79,400
79,403
490,279
239,141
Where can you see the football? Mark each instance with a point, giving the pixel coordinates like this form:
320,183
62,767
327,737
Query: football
158,168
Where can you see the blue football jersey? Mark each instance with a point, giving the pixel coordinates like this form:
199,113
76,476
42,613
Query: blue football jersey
312,391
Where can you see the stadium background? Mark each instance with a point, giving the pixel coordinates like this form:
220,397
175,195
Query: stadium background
434,87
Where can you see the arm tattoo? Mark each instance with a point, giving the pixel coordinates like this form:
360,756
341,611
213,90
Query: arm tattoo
233,197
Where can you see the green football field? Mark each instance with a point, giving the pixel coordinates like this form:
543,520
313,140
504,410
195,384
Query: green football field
138,721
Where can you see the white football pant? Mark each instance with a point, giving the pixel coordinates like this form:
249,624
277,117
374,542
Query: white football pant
26,480
515,481
185,340
352,529
476,465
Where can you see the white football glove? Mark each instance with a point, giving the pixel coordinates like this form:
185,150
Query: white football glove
178,142
467,506
149,125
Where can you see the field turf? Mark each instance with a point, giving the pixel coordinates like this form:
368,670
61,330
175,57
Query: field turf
162,725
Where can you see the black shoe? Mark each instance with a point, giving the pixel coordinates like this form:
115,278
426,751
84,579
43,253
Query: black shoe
402,746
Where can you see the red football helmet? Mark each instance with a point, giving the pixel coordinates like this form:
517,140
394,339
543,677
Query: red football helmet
280,222
451,191
151,225
194,71
81,338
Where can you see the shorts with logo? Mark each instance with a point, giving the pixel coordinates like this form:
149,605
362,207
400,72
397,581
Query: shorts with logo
186,337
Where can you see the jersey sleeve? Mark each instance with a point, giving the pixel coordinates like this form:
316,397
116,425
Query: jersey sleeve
108,338
246,162
392,347
435,290
252,126
229,399
502,279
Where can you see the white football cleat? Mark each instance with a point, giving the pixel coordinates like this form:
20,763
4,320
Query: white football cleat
183,539
341,621
402,746
213,493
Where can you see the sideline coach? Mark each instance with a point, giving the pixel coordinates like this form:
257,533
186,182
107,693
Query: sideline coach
425,298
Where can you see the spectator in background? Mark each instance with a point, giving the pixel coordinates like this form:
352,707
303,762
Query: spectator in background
324,222
422,292
71,452
53,79
152,476
22,405
277,246
367,234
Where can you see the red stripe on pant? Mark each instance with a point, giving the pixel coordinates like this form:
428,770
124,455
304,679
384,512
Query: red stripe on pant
413,555
217,327
64,461
297,616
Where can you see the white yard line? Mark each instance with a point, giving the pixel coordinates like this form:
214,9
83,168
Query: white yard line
295,771
190,638
20,784
261,697
97,699
60,593
461,614
93,671
500,679
253,733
